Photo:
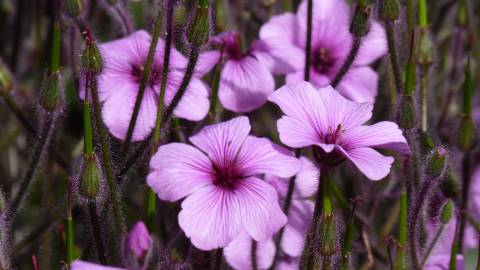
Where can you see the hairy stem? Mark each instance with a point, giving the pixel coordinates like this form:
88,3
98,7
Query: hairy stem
143,82
308,49
464,202
106,161
97,233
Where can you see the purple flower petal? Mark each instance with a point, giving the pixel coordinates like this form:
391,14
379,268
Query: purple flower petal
382,134
372,164
245,84
211,217
258,156
222,141
239,253
260,212
359,84
178,170
374,45
82,265
206,62
139,240
299,219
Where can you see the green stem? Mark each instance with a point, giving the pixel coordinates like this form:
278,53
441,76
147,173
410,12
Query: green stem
107,161
151,209
400,259
216,86
347,239
454,249
143,83
87,123
422,13
392,49
424,97
69,240
56,44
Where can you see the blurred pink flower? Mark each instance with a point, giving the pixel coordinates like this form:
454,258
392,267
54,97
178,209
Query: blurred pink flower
82,265
238,253
245,81
442,262
285,35
119,82
219,179
439,259
139,240
334,125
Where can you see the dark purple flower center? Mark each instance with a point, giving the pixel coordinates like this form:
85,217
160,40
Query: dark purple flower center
153,79
333,135
322,61
226,177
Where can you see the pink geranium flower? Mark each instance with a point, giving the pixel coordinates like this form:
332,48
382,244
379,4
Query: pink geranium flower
119,81
82,265
334,126
245,80
285,35
239,252
220,179
139,240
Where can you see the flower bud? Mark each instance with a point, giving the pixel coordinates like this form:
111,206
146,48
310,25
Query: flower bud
466,135
406,113
74,7
50,98
5,79
91,58
199,29
446,212
389,10
426,141
139,240
328,235
425,48
450,186
360,22
90,180
437,162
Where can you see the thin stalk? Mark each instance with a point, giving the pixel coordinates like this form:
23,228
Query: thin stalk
400,260
106,161
286,210
392,49
151,209
69,233
424,97
410,18
254,255
414,219
464,202
151,198
87,122
39,150
143,82
347,239
120,10
348,62
454,249
217,259
308,49
216,86
307,258
432,244
192,62
165,70
18,113
97,233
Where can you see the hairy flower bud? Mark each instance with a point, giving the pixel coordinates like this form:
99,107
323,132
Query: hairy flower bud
50,99
437,162
5,79
446,212
360,22
389,10
74,7
90,179
91,58
199,29
425,48
406,113
450,186
328,243
466,135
